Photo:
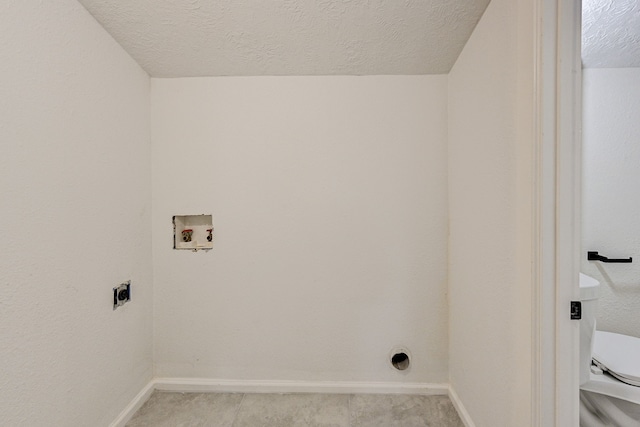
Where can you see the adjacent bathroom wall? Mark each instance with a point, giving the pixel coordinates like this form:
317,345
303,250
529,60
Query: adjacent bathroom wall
330,211
611,201
75,185
490,205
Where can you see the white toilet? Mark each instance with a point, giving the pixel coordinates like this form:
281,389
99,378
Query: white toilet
609,369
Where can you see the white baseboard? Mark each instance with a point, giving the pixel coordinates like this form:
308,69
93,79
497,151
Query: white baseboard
134,405
457,403
244,386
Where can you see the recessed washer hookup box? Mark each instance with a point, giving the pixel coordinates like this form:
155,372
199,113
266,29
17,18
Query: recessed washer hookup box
193,232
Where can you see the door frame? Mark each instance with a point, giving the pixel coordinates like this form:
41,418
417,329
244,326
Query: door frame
557,202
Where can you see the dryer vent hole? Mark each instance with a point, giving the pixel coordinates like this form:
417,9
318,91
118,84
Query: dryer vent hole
400,361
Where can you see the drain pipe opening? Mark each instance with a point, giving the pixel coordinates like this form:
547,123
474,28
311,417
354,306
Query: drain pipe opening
400,360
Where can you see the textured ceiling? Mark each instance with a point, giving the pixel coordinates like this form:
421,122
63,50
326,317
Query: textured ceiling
179,38
610,33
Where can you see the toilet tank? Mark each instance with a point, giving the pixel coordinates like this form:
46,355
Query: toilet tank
589,294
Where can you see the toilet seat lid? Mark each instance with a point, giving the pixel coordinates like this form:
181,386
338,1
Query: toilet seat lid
619,355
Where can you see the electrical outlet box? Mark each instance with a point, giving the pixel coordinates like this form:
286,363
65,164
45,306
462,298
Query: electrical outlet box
121,294
193,232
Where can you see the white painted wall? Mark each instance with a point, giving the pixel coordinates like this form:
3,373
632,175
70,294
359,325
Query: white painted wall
611,201
330,211
75,186
490,193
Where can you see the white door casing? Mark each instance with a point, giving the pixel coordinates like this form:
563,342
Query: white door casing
557,185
